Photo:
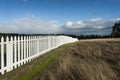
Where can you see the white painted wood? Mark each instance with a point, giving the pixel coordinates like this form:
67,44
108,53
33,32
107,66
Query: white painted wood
15,52
27,48
18,51
8,54
11,53
37,44
31,46
2,55
22,49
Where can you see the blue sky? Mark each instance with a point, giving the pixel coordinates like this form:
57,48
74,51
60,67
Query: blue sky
58,12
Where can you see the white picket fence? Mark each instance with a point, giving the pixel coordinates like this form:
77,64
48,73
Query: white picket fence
16,51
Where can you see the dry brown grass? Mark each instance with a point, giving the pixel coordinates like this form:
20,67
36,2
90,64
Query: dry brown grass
85,60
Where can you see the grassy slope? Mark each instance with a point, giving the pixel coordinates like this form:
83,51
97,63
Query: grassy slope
87,60
30,70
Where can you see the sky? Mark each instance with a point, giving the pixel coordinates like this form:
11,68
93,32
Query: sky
59,16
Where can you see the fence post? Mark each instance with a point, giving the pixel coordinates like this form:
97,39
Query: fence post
24,49
15,54
48,42
37,45
21,49
7,53
29,46
40,40
33,45
11,53
27,49
2,55
18,54
45,43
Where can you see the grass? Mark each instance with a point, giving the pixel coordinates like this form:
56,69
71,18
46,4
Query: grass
31,70
96,60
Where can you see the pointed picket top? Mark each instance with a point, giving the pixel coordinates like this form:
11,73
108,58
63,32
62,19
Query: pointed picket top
30,38
15,38
7,39
21,38
2,39
36,37
18,37
11,38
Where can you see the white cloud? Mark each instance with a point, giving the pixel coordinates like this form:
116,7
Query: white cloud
28,25
53,21
69,23
77,25
117,19
80,23
96,19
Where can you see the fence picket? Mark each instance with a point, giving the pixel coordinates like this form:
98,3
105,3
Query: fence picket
18,51
27,48
11,53
2,55
22,49
15,52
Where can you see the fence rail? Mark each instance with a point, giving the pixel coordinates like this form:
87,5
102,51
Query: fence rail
16,51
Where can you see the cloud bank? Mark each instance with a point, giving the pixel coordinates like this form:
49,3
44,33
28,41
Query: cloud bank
29,25
32,25
92,26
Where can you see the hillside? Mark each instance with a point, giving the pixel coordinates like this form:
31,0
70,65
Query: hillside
87,60
83,60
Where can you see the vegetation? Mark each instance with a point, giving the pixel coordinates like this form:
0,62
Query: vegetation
93,36
116,30
95,60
